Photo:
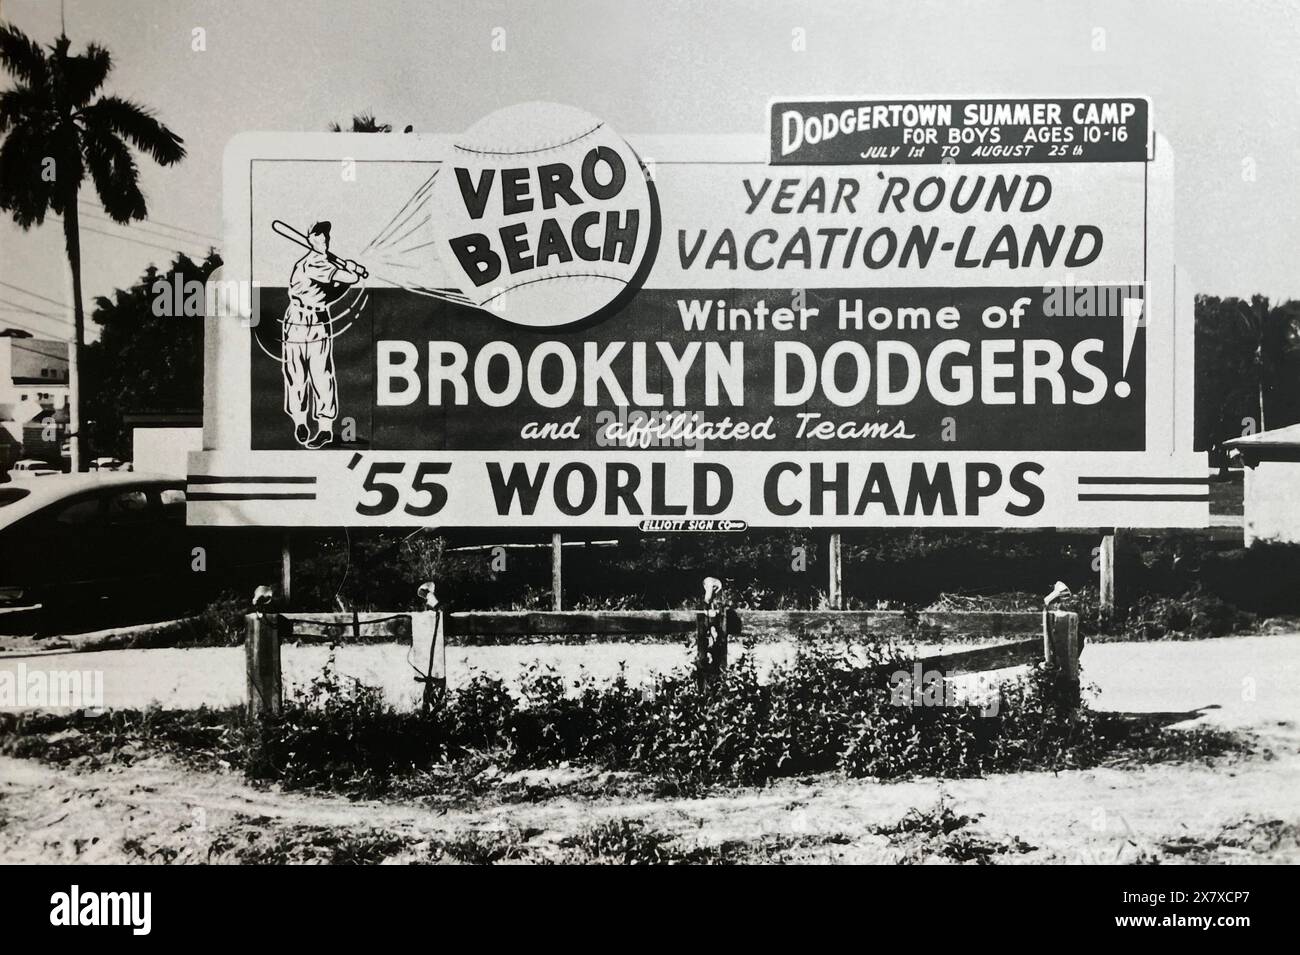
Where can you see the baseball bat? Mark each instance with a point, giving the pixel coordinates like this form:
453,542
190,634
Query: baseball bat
293,235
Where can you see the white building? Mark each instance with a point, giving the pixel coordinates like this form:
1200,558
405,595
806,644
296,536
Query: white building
33,389
1272,460
33,370
161,441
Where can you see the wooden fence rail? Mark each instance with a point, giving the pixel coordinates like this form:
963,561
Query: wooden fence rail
891,624
559,623
1056,642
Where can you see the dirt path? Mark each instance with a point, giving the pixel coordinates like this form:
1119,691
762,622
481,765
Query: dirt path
1242,810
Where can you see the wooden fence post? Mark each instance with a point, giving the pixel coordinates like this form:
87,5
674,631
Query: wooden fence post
701,650
711,634
262,655
835,586
1061,650
716,616
429,646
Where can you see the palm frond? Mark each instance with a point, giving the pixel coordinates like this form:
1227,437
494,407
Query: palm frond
137,125
85,73
22,57
26,106
363,123
27,192
367,123
115,176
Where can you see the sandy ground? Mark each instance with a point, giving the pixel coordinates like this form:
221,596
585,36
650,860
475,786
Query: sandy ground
1243,812
1238,809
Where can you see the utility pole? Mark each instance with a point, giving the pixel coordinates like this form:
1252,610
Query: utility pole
72,238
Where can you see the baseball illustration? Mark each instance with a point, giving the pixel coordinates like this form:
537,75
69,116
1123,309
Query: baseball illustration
545,215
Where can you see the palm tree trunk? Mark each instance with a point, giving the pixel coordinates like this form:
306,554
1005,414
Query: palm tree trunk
72,238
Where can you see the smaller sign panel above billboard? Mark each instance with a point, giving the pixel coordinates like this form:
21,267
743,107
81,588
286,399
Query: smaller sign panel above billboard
844,132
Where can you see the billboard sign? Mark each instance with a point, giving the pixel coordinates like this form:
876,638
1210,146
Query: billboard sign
883,312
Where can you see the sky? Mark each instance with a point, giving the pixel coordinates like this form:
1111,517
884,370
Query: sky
1224,78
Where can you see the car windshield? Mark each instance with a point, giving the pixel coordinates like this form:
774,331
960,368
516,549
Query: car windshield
10,494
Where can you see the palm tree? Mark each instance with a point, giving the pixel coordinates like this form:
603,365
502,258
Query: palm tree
364,123
55,132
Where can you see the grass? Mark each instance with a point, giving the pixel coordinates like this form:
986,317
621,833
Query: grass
618,841
941,833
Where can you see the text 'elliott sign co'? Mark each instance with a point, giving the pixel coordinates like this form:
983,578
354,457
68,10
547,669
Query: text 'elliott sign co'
884,312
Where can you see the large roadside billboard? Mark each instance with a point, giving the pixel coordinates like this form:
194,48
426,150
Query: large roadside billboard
879,312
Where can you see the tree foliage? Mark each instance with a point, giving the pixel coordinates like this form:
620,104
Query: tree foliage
57,129
144,361
1247,367
363,123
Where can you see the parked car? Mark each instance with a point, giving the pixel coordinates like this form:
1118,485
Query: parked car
76,540
105,464
31,467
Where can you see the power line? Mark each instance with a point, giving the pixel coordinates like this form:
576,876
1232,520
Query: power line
145,229
37,351
28,328
26,291
33,311
35,330
23,310
157,222
126,238
201,237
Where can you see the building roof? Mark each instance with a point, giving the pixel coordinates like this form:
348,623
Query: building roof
38,361
1279,444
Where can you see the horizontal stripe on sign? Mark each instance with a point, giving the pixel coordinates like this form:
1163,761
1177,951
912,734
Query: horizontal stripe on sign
245,479
269,496
1144,497
1144,480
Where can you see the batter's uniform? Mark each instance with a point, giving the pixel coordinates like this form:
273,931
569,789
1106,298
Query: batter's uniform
309,383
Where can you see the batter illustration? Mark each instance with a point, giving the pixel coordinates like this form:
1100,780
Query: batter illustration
310,385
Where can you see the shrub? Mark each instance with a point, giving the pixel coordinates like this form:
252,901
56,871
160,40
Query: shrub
1194,615
827,709
221,621
339,733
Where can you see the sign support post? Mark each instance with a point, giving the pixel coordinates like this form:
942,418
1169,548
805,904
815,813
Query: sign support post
1106,570
286,566
557,577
